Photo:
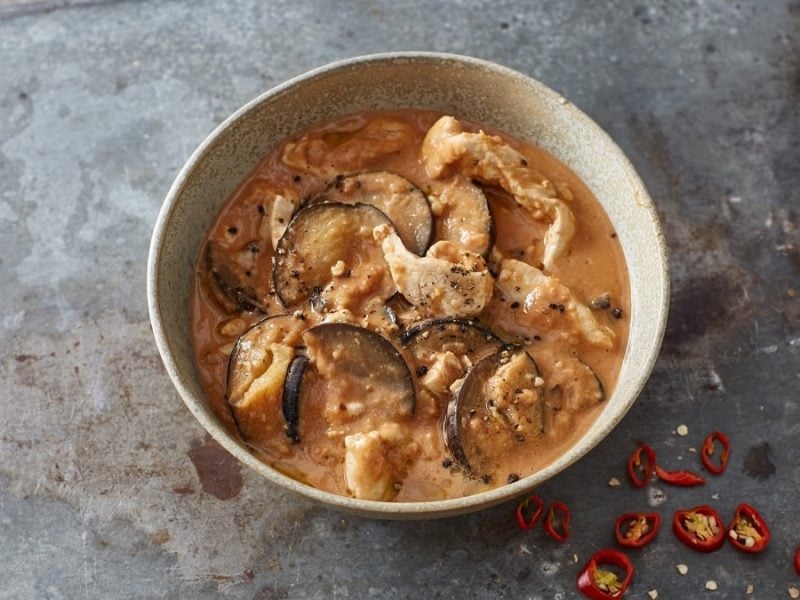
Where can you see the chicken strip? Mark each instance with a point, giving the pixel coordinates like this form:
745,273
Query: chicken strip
374,461
448,281
544,303
337,152
488,159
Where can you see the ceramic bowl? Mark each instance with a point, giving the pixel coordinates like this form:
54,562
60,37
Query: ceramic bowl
473,89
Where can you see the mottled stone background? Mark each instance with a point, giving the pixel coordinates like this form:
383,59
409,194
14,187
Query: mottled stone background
109,488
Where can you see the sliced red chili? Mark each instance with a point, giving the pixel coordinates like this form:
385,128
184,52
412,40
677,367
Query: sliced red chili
634,530
797,560
679,478
748,531
528,512
556,523
600,583
701,528
642,465
709,449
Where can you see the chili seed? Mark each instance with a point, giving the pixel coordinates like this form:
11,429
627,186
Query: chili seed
711,585
682,569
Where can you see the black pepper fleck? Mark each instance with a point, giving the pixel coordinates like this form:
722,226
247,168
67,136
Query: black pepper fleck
447,463
512,478
421,370
617,313
515,305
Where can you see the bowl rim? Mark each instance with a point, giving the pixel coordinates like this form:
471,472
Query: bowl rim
383,509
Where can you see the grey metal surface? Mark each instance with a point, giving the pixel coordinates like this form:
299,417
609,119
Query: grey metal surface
108,488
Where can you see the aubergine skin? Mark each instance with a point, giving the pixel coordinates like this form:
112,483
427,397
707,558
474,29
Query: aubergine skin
376,372
321,237
479,449
291,396
274,339
230,279
404,204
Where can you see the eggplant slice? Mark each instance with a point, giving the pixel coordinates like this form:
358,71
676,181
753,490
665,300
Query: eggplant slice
463,216
256,373
291,396
500,405
358,376
328,254
236,283
427,342
400,200
573,385
440,353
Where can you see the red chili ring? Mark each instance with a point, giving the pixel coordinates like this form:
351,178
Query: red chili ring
522,510
679,478
709,449
640,474
692,538
748,531
624,535
550,524
592,577
797,560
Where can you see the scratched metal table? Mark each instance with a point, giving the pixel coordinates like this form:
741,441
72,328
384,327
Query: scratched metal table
110,489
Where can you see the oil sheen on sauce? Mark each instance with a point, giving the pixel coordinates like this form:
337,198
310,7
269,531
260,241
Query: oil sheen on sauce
591,269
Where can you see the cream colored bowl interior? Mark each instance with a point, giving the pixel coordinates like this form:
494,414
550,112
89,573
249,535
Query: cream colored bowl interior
467,88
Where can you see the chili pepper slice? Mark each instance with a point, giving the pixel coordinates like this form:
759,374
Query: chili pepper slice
701,528
709,449
642,465
556,524
528,516
603,584
635,530
748,531
679,478
797,560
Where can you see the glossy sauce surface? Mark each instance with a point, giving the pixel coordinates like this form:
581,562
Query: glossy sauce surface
592,269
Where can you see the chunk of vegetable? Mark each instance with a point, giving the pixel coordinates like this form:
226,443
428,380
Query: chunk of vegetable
400,200
498,406
328,253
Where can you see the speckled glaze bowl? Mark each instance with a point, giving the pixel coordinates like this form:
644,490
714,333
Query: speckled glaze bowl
476,90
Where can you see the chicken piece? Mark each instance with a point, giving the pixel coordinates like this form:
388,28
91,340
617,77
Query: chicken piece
462,216
372,461
445,369
512,397
282,210
337,152
490,160
448,281
544,303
